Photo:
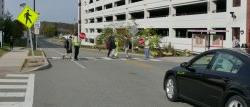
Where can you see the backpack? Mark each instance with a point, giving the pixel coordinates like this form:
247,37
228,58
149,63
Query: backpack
130,45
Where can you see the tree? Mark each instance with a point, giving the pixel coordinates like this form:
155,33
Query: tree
153,37
102,38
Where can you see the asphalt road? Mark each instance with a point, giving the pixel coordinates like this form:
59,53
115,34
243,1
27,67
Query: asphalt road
94,81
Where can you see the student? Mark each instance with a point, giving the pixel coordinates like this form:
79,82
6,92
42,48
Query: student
68,47
116,50
111,46
236,42
127,46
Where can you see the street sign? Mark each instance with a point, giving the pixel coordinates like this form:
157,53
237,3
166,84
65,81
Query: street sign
37,27
28,17
38,24
82,36
37,31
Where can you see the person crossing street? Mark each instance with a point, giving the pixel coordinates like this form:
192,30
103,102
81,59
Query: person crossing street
76,43
68,47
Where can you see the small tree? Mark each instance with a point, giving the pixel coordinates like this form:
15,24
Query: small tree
152,36
104,36
121,35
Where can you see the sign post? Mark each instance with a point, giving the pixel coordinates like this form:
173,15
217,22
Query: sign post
1,38
28,18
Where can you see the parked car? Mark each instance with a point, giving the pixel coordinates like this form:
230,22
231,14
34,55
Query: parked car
216,78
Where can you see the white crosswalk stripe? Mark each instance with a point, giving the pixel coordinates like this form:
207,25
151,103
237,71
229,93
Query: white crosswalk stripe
110,59
17,90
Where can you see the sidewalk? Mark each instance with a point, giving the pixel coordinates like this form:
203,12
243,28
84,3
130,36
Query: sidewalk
177,59
13,61
167,59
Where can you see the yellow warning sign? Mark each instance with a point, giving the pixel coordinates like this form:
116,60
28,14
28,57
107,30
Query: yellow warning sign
28,17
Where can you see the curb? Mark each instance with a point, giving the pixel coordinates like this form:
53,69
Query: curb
47,65
20,70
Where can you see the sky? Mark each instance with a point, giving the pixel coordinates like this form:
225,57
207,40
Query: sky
50,10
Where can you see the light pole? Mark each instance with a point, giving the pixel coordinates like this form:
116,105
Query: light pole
35,37
79,17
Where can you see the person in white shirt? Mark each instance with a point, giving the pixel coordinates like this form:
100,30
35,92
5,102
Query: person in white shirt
146,48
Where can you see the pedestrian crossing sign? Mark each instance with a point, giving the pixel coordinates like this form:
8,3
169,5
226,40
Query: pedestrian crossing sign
28,17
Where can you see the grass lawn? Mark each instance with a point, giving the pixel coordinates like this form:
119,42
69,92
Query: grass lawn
36,53
4,50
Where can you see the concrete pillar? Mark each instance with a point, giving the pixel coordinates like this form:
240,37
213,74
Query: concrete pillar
104,19
229,38
172,33
114,18
172,11
146,13
128,16
95,20
211,6
126,2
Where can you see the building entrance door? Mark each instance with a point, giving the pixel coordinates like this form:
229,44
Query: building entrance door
236,37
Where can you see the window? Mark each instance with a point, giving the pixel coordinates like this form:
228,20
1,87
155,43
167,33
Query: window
203,62
92,40
191,9
109,18
108,6
236,3
121,17
227,63
98,8
133,1
92,30
137,15
90,1
163,12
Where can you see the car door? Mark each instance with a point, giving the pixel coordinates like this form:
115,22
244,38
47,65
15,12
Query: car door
191,79
221,72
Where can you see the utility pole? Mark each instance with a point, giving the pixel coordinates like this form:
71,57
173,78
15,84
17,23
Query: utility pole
79,17
34,37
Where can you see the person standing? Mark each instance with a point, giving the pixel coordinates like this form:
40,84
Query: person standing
116,50
146,48
127,47
68,47
111,46
11,43
236,42
76,43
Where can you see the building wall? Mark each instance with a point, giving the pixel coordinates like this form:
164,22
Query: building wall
248,23
209,21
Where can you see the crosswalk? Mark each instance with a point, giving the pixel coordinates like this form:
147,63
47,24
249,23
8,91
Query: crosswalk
17,90
109,59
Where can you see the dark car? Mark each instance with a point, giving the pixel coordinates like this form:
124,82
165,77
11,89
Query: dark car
216,78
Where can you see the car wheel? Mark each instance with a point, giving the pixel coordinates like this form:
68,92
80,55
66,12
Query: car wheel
236,101
171,89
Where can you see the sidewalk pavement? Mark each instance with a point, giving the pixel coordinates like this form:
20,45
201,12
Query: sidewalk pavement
167,59
177,59
13,60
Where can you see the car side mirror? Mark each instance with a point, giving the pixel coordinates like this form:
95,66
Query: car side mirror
186,65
